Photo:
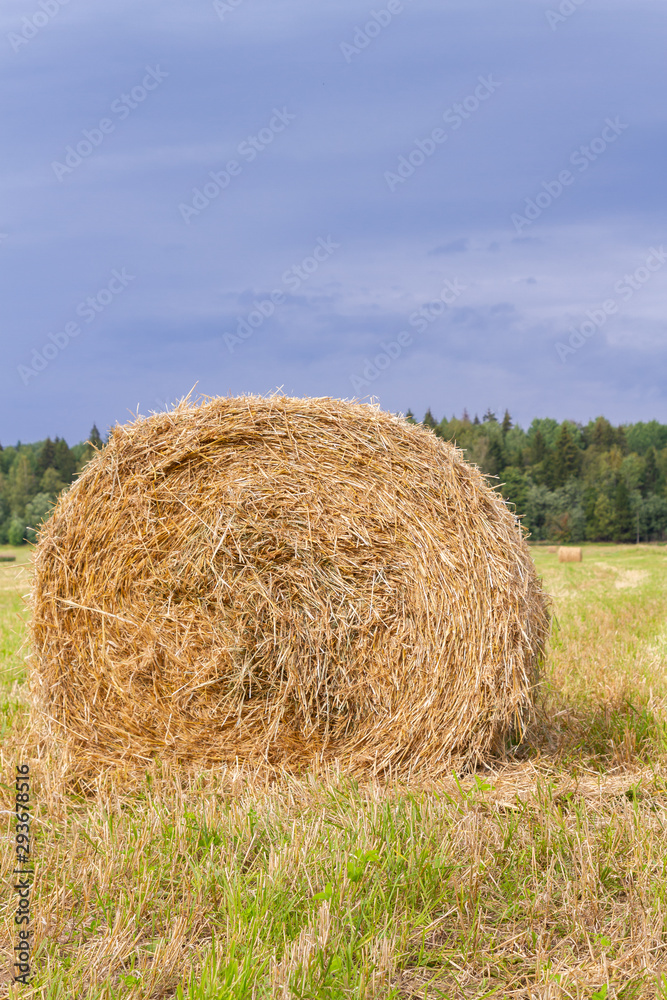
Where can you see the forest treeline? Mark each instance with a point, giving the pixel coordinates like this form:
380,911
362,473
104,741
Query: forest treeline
570,482
31,477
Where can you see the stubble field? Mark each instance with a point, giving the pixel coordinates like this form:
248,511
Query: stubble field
543,877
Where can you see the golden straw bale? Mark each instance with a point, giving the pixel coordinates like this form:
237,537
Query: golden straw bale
283,579
569,553
552,549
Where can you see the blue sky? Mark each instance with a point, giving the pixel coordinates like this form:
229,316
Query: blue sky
372,161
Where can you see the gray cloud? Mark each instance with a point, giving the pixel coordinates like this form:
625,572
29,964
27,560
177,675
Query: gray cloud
456,246
324,175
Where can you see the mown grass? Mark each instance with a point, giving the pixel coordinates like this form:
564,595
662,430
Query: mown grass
545,876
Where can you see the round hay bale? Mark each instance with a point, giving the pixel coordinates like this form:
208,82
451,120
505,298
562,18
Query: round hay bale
569,553
283,579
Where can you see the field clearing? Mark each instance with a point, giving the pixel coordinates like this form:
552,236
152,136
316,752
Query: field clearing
543,877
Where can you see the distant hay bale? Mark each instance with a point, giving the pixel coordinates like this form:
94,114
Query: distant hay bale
283,579
552,549
569,553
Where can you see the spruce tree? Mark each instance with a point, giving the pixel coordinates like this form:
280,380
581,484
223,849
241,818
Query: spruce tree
495,457
538,449
565,463
47,456
64,462
507,423
95,438
602,435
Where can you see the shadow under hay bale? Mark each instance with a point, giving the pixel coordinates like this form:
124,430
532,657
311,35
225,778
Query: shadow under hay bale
288,580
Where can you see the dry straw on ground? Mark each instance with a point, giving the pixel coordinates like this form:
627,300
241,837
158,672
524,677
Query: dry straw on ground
569,553
288,580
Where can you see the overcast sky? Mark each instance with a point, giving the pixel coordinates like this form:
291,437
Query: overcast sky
444,204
